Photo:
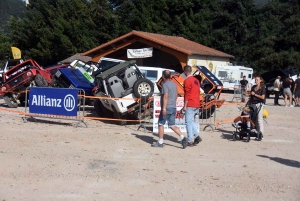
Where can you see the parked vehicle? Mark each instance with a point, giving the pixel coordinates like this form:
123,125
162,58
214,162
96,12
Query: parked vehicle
21,76
123,80
232,75
154,74
211,85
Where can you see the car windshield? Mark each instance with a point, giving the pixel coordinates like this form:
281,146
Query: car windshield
104,64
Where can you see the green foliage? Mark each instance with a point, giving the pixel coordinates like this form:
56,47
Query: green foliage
55,30
10,8
264,36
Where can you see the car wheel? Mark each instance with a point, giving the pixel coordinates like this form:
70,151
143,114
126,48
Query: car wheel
10,100
53,83
40,81
143,88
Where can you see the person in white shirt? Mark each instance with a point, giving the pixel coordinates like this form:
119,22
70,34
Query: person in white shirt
277,90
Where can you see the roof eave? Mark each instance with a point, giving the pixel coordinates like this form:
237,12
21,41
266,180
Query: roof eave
214,55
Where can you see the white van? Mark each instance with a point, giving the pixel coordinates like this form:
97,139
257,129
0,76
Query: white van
154,74
232,75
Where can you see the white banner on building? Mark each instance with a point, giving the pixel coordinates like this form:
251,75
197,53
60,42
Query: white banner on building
140,53
179,118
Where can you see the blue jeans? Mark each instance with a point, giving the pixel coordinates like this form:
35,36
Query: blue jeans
191,128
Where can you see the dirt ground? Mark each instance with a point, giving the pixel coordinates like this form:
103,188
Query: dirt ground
52,160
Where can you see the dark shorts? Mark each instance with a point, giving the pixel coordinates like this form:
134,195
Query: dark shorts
297,94
170,117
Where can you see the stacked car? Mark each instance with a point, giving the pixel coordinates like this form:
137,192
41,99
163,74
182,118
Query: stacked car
18,78
124,92
211,86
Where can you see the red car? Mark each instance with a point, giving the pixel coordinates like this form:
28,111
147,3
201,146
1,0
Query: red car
26,74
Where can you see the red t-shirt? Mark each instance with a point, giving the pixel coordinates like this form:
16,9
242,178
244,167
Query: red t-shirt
192,92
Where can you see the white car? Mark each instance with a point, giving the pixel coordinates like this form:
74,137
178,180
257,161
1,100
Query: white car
154,74
124,89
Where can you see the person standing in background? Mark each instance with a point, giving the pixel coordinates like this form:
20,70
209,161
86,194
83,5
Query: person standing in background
243,83
286,84
277,90
297,91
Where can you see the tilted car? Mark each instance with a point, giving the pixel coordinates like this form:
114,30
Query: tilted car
124,90
211,86
74,78
21,76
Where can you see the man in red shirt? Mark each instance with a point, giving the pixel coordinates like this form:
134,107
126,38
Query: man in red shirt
191,105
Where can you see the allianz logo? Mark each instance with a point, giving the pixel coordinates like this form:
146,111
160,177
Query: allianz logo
41,100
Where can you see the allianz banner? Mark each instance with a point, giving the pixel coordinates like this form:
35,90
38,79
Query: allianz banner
53,101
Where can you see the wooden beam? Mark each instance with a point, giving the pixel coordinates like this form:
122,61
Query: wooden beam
111,50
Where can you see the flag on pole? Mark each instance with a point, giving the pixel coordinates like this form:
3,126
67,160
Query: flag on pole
16,52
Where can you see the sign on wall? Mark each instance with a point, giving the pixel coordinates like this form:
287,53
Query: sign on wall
140,53
179,118
53,101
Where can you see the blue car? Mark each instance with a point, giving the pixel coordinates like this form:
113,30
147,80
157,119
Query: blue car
74,79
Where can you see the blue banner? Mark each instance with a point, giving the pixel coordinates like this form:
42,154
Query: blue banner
53,101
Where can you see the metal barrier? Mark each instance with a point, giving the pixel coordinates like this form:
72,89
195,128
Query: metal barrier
145,111
207,111
237,92
80,112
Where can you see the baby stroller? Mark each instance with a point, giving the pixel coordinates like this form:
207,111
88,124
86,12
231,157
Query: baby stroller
242,131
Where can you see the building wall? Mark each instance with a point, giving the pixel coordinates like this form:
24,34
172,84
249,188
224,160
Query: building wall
209,62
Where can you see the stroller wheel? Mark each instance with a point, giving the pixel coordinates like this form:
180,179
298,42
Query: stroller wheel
248,137
234,136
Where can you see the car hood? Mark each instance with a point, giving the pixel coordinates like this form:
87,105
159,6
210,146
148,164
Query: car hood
273,74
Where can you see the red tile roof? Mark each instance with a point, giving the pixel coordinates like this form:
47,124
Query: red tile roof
177,43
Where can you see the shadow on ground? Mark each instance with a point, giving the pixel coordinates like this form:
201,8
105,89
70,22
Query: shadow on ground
288,162
226,134
151,139
49,121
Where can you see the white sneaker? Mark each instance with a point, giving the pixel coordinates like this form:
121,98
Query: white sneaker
291,105
285,106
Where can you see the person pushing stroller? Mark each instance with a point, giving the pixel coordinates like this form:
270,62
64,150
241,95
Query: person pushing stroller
255,104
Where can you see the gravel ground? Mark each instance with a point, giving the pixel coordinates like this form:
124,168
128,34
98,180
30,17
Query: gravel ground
52,160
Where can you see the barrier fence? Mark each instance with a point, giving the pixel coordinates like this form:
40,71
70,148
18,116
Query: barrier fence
52,107
207,113
239,92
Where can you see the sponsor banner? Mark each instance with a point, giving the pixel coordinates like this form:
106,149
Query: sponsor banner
53,101
179,118
140,53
